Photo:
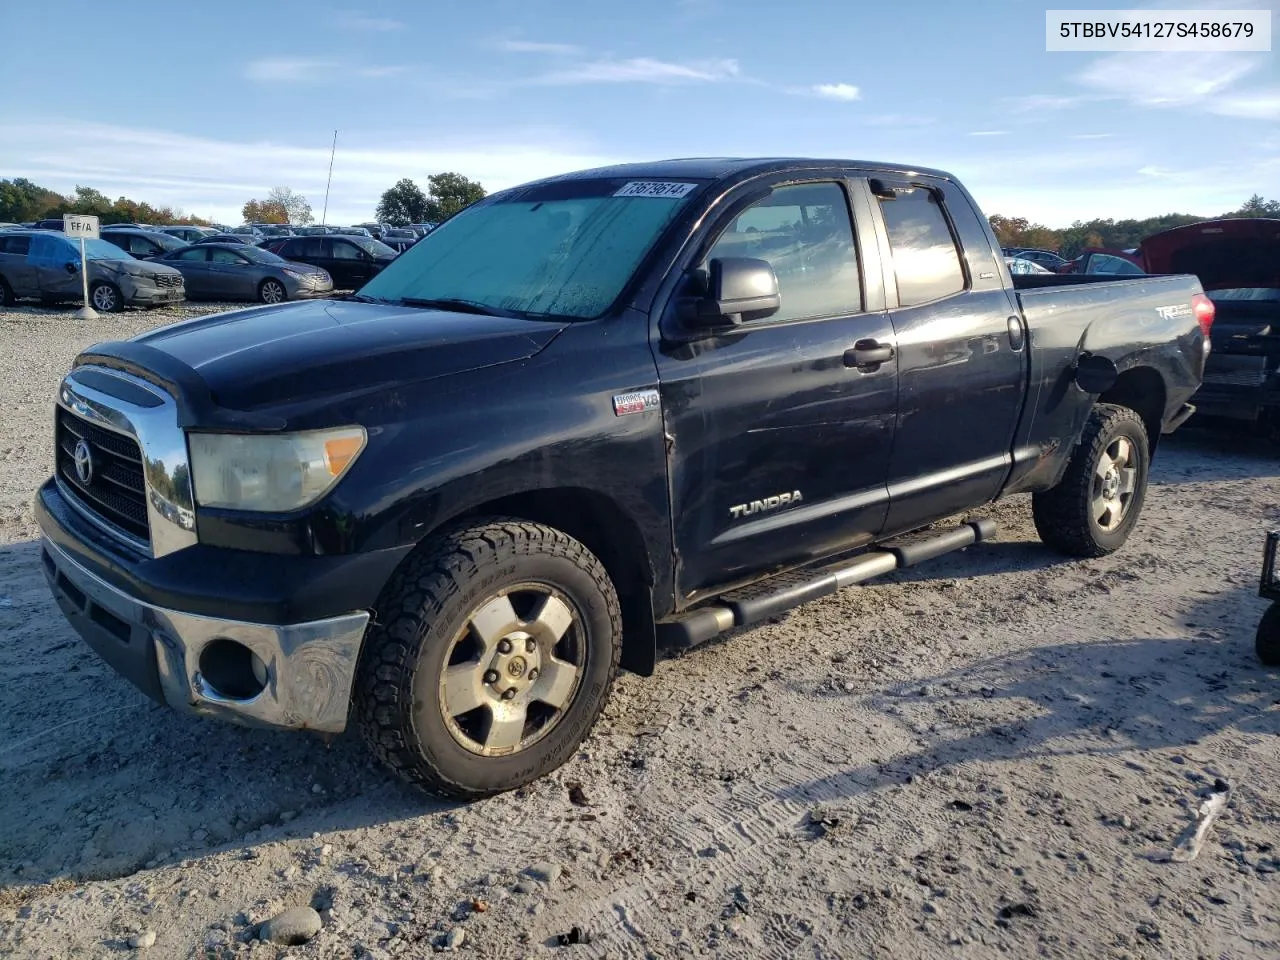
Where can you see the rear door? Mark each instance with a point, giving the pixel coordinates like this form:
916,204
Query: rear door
962,370
193,264
16,267
780,442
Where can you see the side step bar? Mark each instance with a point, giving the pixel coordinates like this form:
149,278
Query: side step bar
778,594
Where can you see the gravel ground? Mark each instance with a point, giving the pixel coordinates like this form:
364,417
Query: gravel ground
991,755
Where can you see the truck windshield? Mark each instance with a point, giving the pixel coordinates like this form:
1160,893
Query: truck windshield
563,249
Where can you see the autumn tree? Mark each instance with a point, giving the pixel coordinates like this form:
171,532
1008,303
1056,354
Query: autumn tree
281,206
403,203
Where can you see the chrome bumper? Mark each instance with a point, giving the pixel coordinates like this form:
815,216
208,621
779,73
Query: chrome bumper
308,668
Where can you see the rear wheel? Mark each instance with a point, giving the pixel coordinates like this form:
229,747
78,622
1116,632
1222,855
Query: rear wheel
272,291
7,299
106,297
1094,508
1267,643
493,655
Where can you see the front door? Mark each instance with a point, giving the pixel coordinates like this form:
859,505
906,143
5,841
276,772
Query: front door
193,263
962,371
230,275
350,263
779,441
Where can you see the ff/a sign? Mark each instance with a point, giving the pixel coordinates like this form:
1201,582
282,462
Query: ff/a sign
80,227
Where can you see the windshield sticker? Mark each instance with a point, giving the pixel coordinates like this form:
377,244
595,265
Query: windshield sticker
656,188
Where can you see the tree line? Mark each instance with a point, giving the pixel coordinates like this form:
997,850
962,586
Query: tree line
22,201
1109,234
446,194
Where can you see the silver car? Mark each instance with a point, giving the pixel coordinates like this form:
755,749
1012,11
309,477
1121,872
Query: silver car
239,271
45,265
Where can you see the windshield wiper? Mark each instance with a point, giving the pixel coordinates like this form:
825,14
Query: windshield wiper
362,298
459,306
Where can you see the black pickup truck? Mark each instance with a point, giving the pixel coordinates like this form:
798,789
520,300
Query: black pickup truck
588,415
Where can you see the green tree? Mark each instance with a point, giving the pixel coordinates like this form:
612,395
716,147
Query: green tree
1256,206
22,201
452,192
403,203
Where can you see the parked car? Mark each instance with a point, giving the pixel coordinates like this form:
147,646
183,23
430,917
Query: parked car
374,230
398,239
1106,262
247,231
228,238
1238,264
1046,258
422,229
53,223
143,244
1020,265
649,400
351,261
350,232
241,271
46,265
187,234
273,229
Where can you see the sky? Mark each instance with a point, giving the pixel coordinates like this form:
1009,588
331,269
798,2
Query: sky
204,106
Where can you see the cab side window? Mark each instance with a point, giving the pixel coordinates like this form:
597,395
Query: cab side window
805,233
926,260
19,246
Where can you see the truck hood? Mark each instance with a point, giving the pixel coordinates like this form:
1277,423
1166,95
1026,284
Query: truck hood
268,356
1224,254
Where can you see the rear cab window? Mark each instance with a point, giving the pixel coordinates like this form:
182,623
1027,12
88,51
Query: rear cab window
17,246
926,260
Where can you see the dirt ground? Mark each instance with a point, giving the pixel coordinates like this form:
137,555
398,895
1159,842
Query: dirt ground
991,755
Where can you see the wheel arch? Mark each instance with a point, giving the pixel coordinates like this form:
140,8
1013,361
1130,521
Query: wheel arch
1141,389
604,528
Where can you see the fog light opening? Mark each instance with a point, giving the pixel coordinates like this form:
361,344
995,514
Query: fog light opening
231,670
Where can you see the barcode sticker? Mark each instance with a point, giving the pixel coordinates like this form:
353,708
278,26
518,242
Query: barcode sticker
655,188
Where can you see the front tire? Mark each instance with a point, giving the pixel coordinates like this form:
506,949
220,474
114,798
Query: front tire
106,297
1094,508
272,291
491,658
7,299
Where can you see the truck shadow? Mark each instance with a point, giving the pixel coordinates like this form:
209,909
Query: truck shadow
1101,698
98,781
1213,453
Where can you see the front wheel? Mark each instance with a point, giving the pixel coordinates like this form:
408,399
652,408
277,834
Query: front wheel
1094,508
491,658
106,297
7,299
272,291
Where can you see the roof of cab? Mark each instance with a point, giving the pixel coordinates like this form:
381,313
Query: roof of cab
720,168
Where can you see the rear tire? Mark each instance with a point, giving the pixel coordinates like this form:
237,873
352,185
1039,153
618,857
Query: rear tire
7,299
1094,508
491,658
1267,643
272,291
106,297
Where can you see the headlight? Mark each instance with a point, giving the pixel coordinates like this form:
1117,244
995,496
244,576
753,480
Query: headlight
297,275
272,472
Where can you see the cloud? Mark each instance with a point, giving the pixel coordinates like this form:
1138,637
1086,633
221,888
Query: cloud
1165,78
1090,136
1039,102
644,70
836,91
1252,105
988,133
352,20
288,69
537,46
213,178
311,70
899,120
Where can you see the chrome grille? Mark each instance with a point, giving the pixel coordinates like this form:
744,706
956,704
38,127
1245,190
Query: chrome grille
116,490
168,280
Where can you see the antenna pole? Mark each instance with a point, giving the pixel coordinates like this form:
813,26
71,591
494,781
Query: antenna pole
325,215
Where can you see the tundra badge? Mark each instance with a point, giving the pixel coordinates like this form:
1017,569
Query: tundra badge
768,503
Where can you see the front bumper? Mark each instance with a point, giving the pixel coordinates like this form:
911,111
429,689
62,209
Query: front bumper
308,668
305,289
141,292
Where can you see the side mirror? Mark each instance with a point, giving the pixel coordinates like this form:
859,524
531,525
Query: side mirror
738,289
72,268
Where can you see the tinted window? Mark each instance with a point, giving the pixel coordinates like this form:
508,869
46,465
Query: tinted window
196,254
218,255
345,250
1105,263
312,247
15,245
925,259
805,233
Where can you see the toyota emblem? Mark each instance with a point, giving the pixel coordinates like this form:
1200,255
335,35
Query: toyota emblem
84,463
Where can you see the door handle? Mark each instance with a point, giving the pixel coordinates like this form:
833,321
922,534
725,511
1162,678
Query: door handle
868,354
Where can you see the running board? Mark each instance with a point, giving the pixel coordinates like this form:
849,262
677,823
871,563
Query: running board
742,608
